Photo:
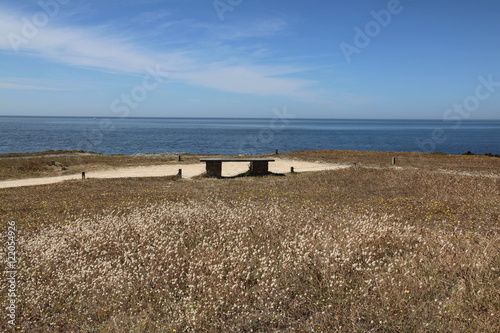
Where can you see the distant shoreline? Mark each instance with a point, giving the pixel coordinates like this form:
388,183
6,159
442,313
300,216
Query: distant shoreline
170,154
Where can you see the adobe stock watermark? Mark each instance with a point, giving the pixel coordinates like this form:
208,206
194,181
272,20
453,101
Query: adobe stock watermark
223,6
30,27
266,135
11,273
122,107
363,37
459,112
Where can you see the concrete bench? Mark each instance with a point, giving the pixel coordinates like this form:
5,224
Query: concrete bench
258,166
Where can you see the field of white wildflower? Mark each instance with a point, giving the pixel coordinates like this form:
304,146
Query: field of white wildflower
255,267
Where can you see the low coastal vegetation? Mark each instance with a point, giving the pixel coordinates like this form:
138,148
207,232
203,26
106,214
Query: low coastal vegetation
352,250
420,161
57,163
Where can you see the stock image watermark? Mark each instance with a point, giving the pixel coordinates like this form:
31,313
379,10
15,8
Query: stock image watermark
11,273
459,112
122,106
223,6
266,135
30,27
372,29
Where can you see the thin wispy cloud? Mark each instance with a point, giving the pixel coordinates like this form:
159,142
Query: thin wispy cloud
77,47
100,48
256,28
245,79
150,17
27,84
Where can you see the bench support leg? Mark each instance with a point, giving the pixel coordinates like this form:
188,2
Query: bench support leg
214,169
259,168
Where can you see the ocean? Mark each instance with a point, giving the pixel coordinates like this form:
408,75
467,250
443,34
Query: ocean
244,136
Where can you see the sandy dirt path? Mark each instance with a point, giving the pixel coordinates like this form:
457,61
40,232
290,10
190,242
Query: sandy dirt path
188,171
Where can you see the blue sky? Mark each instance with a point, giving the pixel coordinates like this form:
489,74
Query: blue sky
242,58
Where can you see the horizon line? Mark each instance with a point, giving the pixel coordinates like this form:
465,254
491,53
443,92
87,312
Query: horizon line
294,118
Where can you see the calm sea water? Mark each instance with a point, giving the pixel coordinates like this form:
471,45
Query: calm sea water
243,136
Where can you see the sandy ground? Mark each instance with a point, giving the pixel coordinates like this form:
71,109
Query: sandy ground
188,171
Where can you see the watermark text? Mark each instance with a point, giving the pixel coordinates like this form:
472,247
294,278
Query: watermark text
266,135
122,106
30,27
363,37
459,112
11,272
223,6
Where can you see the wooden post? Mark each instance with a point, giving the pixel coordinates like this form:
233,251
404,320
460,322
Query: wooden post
277,151
394,161
179,174
180,158
83,175
292,170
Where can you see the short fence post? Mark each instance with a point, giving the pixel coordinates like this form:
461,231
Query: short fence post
179,158
83,175
292,170
276,151
179,174
393,161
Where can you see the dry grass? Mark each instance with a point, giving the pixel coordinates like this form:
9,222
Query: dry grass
413,197
352,250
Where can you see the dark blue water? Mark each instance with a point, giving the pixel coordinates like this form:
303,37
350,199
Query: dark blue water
243,136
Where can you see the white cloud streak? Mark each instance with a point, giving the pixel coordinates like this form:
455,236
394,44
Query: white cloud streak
150,17
19,86
99,49
245,79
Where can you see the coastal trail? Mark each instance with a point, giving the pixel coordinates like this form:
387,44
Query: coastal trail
188,171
